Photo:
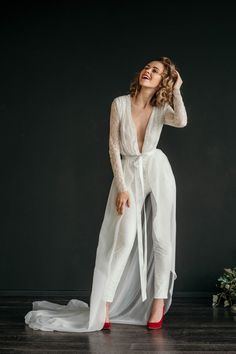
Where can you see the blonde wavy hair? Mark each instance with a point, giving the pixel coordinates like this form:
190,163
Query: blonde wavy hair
164,93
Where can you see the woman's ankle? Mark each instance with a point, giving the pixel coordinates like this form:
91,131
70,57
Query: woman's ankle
107,311
158,301
157,304
156,310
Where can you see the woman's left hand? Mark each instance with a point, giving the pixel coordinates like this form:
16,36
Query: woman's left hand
179,81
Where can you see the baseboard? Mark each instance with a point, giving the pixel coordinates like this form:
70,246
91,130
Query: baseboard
192,294
86,293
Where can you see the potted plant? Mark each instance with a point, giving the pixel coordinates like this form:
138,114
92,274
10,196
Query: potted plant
227,284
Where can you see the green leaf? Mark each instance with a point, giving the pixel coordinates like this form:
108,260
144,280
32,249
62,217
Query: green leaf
226,303
228,270
215,298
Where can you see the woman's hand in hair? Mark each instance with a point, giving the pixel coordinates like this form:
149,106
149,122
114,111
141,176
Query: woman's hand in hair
178,81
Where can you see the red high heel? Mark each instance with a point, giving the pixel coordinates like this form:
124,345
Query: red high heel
107,325
156,325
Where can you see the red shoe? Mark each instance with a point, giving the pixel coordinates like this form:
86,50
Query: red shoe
107,325
156,325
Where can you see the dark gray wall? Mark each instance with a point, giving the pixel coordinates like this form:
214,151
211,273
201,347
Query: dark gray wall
61,67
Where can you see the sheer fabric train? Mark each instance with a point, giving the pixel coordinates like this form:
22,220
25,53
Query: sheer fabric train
156,218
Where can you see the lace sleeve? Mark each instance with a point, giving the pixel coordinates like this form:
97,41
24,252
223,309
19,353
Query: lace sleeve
176,117
114,148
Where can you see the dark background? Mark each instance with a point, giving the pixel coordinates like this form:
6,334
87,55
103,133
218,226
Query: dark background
61,67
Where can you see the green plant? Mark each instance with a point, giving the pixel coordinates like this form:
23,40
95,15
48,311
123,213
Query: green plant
227,282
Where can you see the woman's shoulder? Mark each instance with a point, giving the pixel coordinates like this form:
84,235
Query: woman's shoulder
120,99
121,103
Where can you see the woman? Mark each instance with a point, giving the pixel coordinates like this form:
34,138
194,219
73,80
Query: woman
133,276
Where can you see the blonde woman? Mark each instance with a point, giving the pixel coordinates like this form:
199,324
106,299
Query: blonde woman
134,271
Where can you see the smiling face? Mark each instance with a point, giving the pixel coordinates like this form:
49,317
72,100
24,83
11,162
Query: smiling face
151,75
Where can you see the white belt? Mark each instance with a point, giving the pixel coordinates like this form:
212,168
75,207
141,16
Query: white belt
142,250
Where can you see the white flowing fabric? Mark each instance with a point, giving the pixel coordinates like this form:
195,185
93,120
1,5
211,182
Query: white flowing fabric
157,216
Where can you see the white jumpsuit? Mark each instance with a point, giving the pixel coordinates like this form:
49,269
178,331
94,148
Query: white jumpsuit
129,271
127,232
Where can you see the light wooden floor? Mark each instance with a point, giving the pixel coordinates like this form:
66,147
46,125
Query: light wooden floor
190,326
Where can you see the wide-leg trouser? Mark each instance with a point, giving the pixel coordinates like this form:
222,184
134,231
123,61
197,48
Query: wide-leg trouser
126,237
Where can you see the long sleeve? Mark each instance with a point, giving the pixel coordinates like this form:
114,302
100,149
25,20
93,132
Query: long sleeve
176,117
114,148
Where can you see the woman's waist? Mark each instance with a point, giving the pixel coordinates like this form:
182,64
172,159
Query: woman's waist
144,155
144,159
138,156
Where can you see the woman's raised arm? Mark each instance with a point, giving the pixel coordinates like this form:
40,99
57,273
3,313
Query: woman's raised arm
176,117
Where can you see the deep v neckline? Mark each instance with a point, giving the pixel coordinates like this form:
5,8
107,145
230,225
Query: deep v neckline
134,126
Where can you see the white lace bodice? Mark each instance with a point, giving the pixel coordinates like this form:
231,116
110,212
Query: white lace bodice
123,137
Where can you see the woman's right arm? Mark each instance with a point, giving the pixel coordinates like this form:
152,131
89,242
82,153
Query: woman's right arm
114,148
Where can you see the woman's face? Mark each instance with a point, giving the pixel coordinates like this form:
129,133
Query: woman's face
151,75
